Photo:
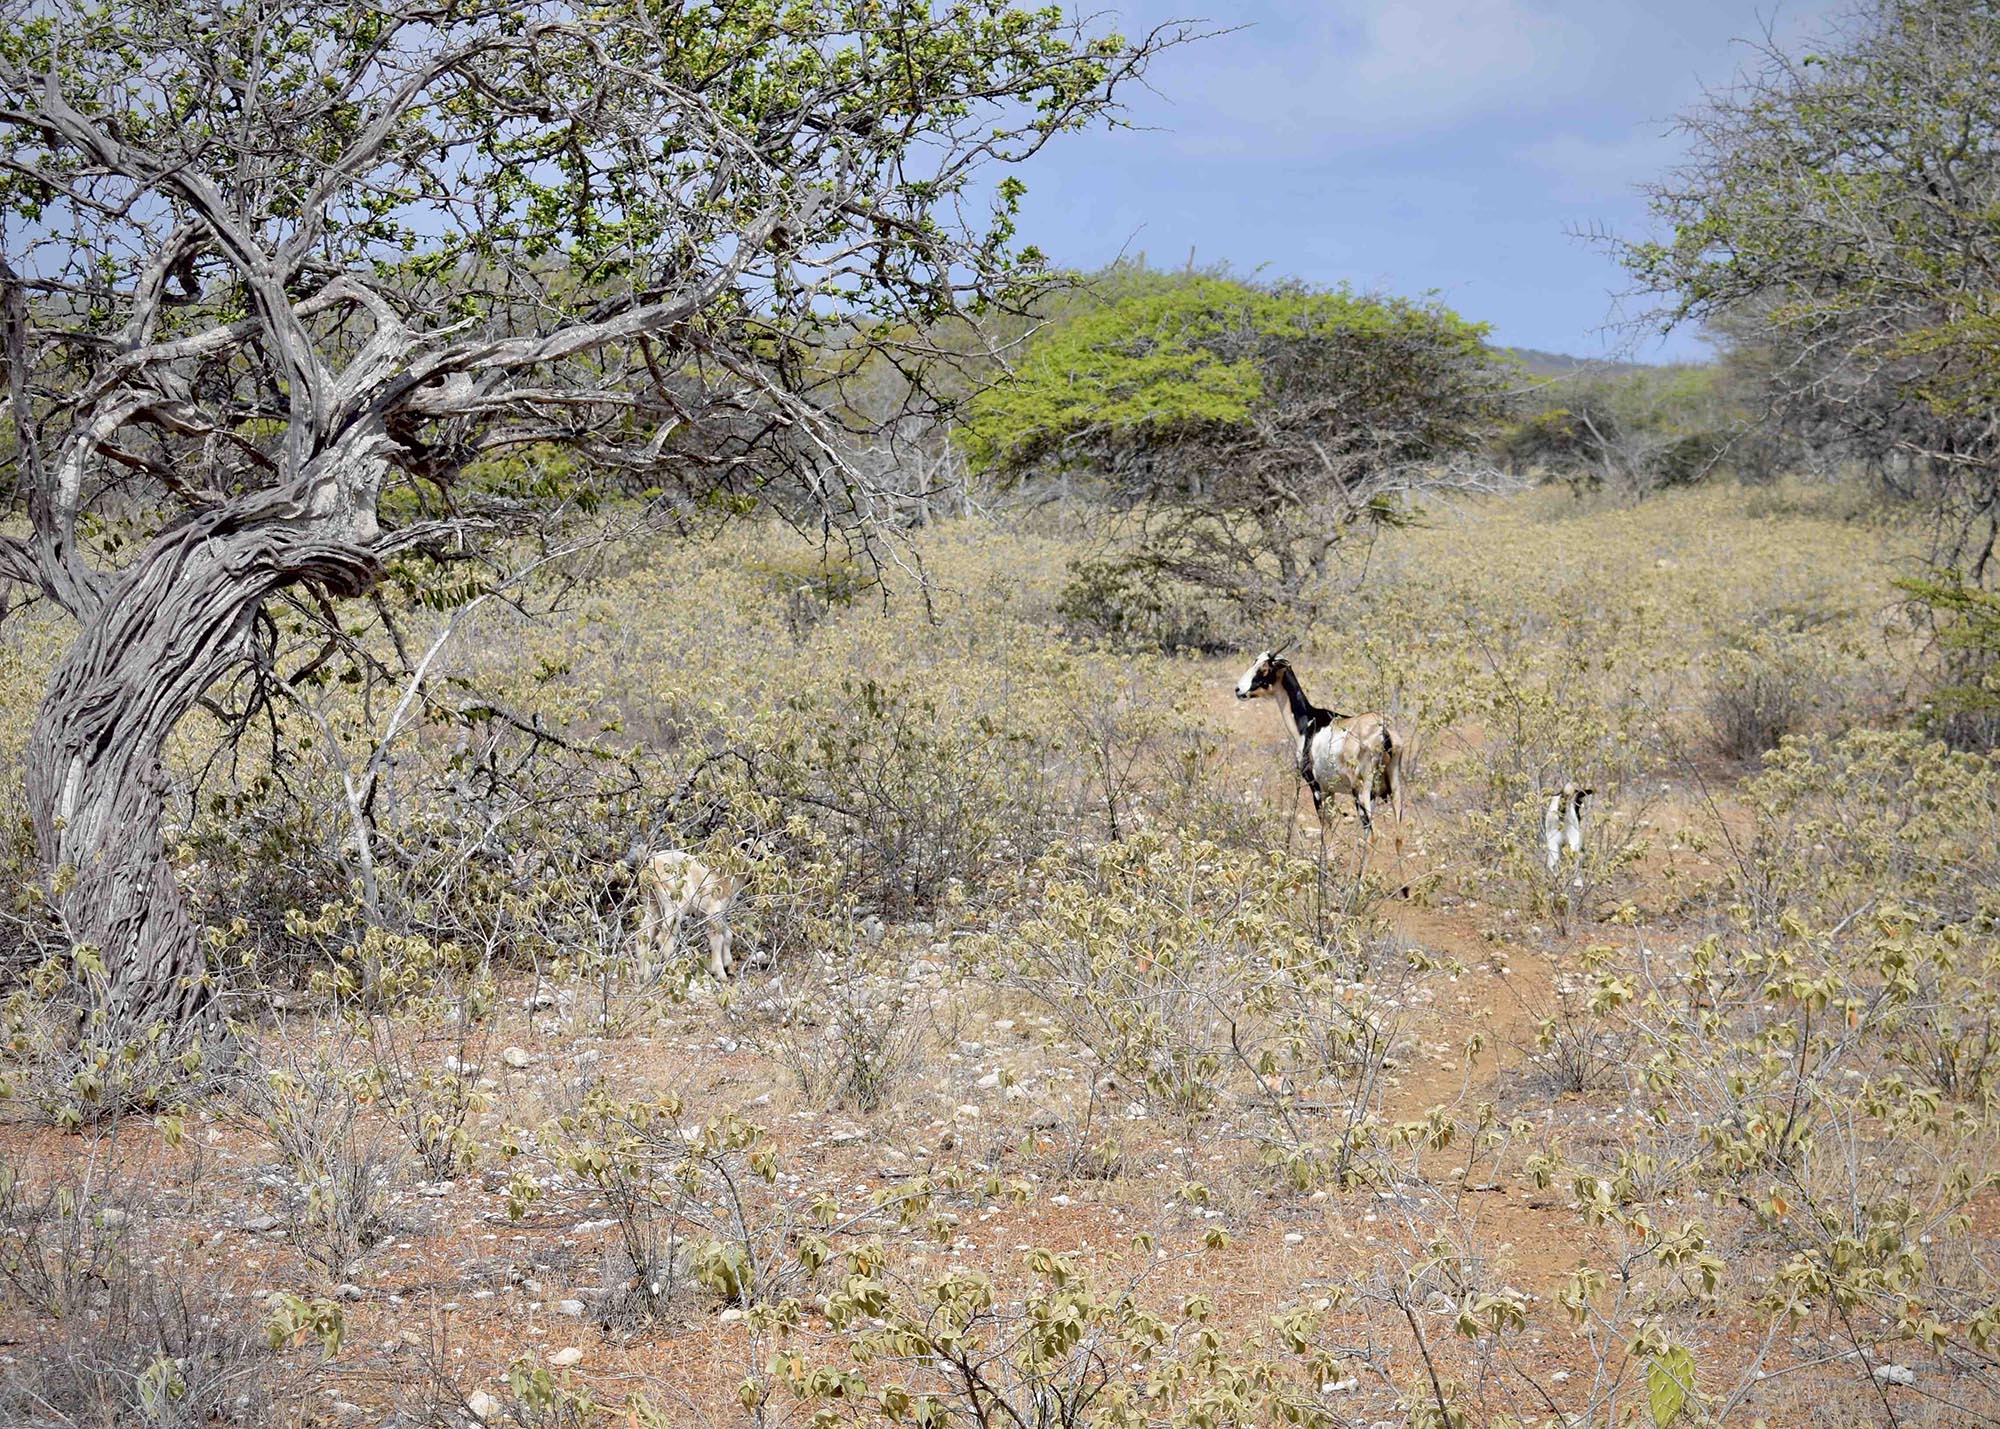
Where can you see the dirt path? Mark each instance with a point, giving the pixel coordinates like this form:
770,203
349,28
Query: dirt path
1484,1000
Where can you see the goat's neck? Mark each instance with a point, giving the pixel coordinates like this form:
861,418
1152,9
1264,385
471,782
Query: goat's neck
1307,718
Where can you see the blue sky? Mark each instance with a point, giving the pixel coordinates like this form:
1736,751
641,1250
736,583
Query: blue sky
1448,145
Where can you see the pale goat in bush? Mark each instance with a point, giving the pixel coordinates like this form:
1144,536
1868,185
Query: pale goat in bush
675,884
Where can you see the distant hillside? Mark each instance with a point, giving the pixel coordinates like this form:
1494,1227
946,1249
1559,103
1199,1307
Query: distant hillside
1561,364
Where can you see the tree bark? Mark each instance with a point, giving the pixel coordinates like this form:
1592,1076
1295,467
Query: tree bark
176,620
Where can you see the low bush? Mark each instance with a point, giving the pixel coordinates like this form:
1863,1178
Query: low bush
1208,981
335,1164
1775,681
127,1332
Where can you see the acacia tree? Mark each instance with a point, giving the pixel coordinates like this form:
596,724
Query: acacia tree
1251,431
295,287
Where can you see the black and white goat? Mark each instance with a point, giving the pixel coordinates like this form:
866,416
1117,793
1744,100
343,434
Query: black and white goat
1362,754
1562,825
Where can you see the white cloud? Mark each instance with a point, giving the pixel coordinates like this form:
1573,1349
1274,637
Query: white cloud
1364,73
1439,60
1586,169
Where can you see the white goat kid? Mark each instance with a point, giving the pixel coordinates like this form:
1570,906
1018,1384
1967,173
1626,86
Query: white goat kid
1562,826
1363,755
675,884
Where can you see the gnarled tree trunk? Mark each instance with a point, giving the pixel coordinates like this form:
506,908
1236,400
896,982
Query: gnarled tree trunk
176,620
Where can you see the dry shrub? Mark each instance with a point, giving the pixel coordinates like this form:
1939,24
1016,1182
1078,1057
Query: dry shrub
334,1156
1207,980
850,1024
1774,681
1133,606
1825,1061
124,1331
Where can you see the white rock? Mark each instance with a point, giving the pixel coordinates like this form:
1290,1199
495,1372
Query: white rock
1895,1374
730,1316
988,1082
571,1308
515,1057
483,1405
1294,1238
565,1357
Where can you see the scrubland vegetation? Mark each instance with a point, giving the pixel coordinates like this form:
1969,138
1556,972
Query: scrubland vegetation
453,455
1071,1084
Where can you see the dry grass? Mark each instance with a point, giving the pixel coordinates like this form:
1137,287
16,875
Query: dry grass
1071,1049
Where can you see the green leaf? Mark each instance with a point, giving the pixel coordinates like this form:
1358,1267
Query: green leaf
1669,1383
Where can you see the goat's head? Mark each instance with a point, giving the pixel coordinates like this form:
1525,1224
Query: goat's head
1263,676
1572,797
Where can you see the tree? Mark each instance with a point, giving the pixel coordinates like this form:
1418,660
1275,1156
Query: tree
1835,219
298,289
1634,430
1251,430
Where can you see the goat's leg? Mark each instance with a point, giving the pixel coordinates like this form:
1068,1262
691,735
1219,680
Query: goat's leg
1366,768
1319,878
1390,782
649,932
1361,861
718,948
670,932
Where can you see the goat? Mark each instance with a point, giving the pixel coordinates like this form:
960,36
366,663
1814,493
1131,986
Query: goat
1364,754
1562,824
675,884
